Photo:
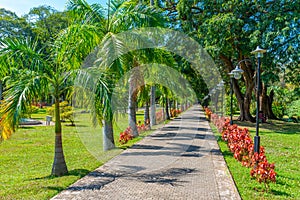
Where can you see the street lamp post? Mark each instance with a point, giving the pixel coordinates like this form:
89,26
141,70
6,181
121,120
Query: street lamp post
237,74
259,54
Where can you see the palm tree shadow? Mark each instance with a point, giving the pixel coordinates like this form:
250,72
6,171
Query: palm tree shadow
75,172
280,193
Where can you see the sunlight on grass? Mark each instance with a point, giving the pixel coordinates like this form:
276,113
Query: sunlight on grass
26,158
26,161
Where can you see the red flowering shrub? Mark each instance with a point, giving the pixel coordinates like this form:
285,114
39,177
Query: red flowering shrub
175,112
141,128
208,113
125,136
241,145
264,173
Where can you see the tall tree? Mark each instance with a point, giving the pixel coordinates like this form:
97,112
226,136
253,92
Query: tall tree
231,30
39,75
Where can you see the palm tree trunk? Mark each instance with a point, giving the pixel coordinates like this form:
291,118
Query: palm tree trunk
152,107
59,167
108,135
132,102
167,109
146,114
181,106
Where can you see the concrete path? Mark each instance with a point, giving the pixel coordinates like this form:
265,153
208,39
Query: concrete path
181,160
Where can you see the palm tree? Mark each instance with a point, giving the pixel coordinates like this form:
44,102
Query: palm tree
40,74
122,16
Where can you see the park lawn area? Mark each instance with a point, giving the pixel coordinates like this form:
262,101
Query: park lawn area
26,160
281,141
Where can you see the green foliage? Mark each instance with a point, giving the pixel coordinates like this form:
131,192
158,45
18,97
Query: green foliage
31,110
66,111
293,109
234,105
284,97
13,26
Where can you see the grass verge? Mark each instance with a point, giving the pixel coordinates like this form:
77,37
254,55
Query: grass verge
281,141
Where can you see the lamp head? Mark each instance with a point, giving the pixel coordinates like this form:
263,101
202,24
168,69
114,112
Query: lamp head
237,72
220,85
258,52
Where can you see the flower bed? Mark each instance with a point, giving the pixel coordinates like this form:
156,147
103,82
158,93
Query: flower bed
127,135
241,145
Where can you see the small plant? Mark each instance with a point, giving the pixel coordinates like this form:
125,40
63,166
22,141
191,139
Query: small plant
142,127
264,173
125,136
175,112
208,113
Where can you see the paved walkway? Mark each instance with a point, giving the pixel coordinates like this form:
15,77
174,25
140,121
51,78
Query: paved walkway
181,160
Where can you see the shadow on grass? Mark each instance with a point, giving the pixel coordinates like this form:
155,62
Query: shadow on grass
26,127
286,177
75,172
227,153
58,189
274,126
280,193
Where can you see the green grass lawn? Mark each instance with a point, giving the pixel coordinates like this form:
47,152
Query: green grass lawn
26,159
281,141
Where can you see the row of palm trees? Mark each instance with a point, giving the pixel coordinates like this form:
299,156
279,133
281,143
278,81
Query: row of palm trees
30,71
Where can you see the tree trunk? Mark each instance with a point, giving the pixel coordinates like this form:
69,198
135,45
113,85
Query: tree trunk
59,167
266,102
244,100
181,106
152,107
136,80
174,104
108,135
132,101
146,114
167,109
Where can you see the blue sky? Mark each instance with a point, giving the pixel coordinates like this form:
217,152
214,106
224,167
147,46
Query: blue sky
21,7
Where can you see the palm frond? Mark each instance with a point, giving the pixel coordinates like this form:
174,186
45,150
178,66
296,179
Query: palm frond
22,88
21,52
131,16
75,43
89,13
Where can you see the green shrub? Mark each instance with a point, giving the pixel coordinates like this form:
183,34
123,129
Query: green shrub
293,109
66,112
235,107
